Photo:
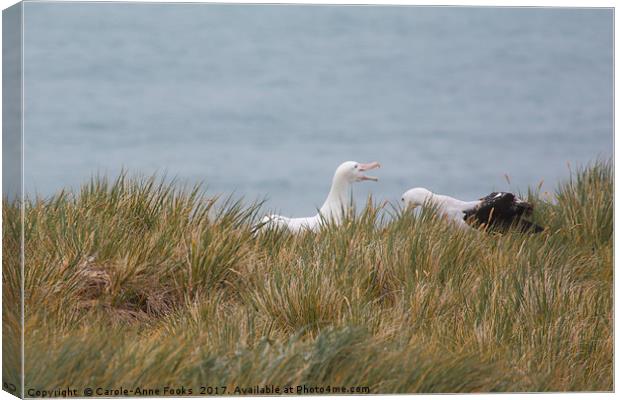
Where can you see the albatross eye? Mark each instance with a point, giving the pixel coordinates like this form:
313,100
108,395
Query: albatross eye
356,165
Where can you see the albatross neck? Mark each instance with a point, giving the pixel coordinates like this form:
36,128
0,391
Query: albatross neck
337,198
452,202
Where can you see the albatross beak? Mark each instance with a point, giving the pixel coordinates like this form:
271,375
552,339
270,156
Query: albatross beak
367,167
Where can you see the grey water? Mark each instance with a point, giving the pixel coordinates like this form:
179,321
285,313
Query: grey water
265,101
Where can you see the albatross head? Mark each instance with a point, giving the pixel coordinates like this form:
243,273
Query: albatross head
346,174
416,197
353,171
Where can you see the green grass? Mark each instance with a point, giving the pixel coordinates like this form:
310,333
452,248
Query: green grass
135,282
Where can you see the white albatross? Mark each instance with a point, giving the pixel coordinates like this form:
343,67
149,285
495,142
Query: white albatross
498,210
336,204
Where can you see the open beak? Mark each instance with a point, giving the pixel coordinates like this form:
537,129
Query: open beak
367,167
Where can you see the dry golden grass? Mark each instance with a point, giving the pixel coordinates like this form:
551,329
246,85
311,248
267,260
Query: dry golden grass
136,282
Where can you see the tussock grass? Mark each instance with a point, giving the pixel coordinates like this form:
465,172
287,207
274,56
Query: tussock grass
136,281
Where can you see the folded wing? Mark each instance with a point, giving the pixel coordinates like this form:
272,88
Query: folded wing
501,210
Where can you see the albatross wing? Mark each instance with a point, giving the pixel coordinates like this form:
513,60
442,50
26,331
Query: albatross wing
501,210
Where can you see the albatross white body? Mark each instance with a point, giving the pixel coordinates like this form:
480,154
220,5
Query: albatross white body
449,207
336,204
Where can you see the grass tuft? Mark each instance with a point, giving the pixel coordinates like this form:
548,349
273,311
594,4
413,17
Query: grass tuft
137,281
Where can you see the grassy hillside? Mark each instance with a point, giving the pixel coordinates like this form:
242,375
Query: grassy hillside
136,283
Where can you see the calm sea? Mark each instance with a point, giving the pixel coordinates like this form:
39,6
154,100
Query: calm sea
266,101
